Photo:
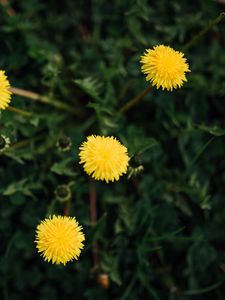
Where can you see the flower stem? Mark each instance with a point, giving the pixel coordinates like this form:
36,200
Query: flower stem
92,195
134,101
93,215
67,207
43,99
19,111
198,36
196,157
51,207
25,93
22,144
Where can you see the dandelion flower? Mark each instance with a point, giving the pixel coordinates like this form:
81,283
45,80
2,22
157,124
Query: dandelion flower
5,94
59,239
104,158
164,67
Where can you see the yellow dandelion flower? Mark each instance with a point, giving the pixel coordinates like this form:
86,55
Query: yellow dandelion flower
5,94
59,239
104,158
164,67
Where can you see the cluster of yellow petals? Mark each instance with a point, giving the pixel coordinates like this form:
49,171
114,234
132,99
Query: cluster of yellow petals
104,158
164,67
59,239
5,94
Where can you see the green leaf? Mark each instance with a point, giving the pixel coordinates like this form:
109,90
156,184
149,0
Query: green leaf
90,86
24,186
141,145
63,167
96,230
217,131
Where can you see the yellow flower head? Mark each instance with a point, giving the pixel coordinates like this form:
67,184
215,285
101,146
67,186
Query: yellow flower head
5,94
104,158
164,67
59,239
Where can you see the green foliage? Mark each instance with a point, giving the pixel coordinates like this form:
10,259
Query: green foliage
160,229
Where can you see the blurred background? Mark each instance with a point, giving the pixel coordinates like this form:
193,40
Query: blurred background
159,231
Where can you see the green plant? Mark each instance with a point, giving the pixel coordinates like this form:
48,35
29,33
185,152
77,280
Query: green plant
159,232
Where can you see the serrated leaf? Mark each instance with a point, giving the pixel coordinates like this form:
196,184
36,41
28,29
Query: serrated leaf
24,186
110,265
18,186
90,86
63,167
142,145
100,108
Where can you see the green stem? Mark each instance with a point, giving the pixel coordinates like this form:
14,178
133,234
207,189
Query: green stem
204,290
134,101
93,216
19,111
60,105
196,157
165,277
51,207
43,99
129,288
23,143
198,36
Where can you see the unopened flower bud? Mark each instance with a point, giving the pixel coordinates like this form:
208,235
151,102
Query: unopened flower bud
64,143
4,142
63,193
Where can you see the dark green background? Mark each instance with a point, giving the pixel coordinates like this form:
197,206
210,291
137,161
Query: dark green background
161,233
